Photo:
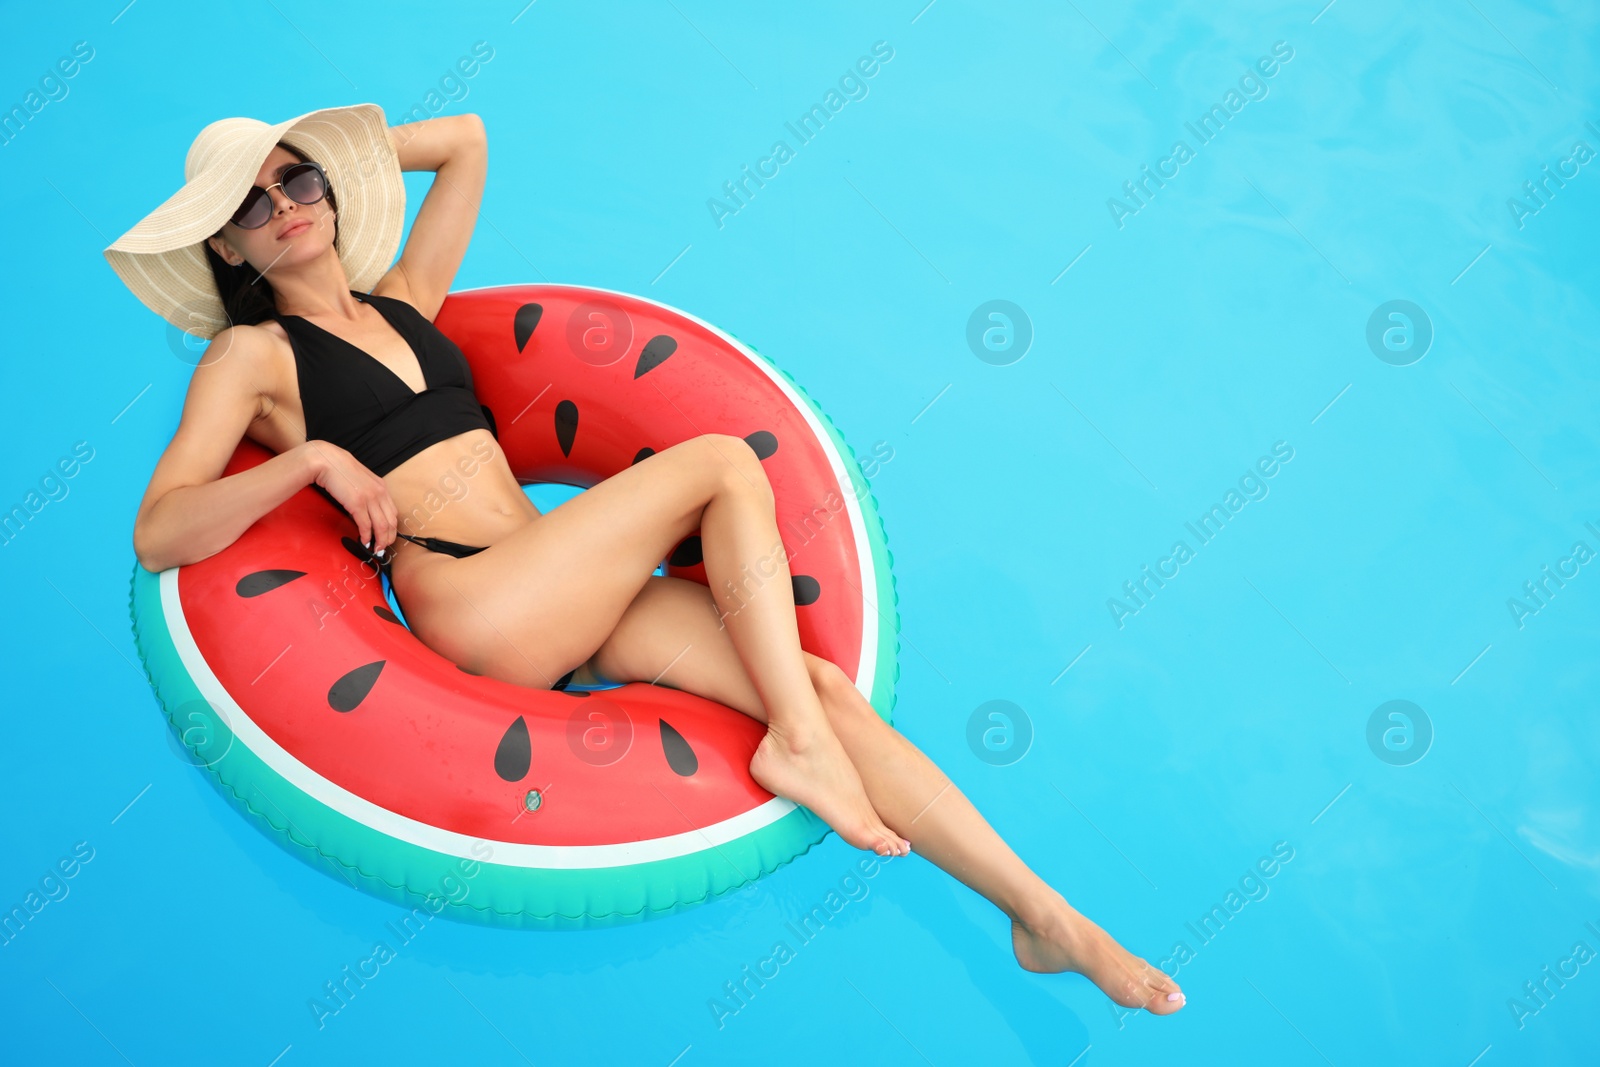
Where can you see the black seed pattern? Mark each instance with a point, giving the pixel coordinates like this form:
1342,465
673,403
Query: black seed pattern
350,690
688,552
528,316
566,425
655,353
515,754
386,615
765,443
643,453
806,589
680,757
265,581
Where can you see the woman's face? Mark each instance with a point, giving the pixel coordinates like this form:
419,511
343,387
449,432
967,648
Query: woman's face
294,235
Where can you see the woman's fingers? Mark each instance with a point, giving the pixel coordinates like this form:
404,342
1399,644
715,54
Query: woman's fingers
391,516
382,525
363,495
382,509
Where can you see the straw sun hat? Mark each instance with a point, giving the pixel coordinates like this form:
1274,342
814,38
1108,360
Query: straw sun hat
162,259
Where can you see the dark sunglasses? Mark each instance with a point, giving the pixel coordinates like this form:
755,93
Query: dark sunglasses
304,183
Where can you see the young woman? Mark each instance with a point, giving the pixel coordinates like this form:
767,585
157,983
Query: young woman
253,249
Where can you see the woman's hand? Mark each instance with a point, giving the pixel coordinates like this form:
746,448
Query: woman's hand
360,492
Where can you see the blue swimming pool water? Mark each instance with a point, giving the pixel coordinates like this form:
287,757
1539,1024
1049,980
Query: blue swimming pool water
1434,896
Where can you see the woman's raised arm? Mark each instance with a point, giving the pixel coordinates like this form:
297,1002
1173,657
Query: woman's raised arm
456,147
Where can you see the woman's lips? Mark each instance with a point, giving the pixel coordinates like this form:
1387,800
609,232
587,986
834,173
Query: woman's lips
293,228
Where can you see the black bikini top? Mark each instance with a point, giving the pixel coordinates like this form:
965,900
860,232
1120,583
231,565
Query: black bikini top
353,400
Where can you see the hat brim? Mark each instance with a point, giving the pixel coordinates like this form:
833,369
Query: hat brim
162,258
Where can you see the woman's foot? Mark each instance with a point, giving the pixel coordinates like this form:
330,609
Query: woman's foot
815,771
1064,940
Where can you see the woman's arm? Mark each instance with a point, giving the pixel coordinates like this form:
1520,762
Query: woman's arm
192,522
457,148
190,511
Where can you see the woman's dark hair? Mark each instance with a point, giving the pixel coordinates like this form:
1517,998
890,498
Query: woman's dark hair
246,298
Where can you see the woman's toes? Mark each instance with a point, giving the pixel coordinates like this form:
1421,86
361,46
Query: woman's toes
1165,997
889,843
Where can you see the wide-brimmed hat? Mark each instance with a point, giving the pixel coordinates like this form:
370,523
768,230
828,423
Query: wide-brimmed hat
162,259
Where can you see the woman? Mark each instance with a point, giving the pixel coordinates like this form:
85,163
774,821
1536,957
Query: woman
297,359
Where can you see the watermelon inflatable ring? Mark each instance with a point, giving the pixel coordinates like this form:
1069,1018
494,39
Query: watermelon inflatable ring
290,683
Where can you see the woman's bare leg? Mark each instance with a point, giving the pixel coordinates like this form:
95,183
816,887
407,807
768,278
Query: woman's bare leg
538,602
671,633
919,802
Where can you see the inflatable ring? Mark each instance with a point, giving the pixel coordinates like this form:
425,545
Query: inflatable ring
311,707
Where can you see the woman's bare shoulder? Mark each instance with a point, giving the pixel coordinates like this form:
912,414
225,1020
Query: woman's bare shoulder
245,358
396,286
241,348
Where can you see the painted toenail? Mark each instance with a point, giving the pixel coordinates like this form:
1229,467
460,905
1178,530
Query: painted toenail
1174,996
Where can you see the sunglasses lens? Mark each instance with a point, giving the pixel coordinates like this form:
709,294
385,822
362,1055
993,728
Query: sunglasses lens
255,211
304,184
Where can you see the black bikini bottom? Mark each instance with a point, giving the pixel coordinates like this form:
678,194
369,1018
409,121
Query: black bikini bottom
450,548
385,562
439,544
